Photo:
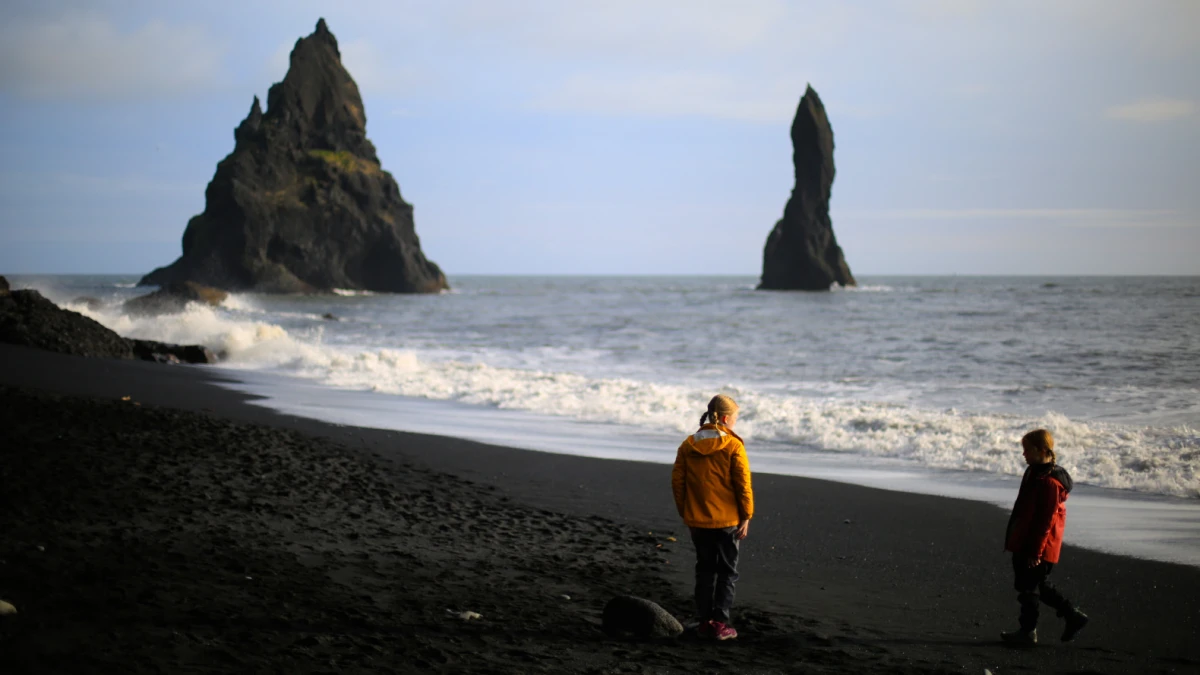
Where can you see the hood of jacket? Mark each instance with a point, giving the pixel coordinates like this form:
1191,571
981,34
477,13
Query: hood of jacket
712,438
1054,471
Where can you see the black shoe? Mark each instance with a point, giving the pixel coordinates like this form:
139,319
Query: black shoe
1076,620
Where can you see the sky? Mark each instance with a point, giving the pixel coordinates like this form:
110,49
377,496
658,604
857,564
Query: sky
633,137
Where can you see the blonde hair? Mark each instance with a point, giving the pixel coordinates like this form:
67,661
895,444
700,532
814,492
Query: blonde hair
1041,441
719,406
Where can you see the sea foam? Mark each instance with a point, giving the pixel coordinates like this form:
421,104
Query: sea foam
1155,460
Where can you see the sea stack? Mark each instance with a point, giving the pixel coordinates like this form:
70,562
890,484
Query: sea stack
802,253
302,203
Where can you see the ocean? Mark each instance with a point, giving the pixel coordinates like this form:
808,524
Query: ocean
921,384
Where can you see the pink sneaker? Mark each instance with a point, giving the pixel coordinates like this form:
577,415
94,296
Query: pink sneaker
722,632
706,630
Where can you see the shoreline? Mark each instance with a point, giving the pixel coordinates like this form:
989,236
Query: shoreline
911,583
1142,525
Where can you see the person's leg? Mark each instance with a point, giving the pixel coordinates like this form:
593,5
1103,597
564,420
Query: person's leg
706,571
727,547
1050,595
1026,580
1075,620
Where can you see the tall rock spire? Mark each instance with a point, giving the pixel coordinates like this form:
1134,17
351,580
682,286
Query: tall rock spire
302,203
802,252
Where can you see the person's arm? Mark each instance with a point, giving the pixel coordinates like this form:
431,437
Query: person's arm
679,482
1045,503
1012,517
740,475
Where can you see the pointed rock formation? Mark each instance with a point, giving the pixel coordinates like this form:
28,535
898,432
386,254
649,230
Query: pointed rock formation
801,252
302,203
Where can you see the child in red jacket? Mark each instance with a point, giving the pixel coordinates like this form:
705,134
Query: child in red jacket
1035,532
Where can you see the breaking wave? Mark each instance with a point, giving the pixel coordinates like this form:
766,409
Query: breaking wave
1147,459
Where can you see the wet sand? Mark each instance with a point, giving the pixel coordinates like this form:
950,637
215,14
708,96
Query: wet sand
186,531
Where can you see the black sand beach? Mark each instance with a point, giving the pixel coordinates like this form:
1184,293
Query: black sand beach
183,530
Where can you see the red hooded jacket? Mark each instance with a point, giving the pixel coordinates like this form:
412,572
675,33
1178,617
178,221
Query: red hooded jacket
1035,528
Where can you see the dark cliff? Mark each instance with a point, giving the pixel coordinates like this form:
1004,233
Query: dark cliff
302,203
802,252
27,318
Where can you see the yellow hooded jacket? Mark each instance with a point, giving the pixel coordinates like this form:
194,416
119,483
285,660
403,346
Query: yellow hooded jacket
711,479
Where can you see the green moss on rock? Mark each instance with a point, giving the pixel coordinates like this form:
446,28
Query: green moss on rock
346,161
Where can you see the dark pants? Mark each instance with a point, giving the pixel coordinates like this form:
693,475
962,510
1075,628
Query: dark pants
716,571
1031,587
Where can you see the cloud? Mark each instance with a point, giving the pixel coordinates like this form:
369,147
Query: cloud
135,184
17,185
81,56
973,90
628,28
1165,28
748,60
953,9
277,65
671,95
1065,217
1152,110
376,73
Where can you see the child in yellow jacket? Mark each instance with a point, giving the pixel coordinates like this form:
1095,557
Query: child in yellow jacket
711,482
